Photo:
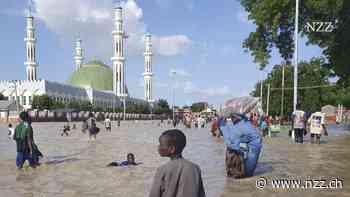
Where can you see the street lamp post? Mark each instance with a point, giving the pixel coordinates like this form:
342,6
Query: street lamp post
282,99
173,75
151,105
295,98
268,100
124,107
261,87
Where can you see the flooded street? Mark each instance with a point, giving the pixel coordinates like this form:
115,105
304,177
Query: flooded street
74,167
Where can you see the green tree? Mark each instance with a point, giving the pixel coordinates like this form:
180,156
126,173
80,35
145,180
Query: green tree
274,20
118,109
198,107
42,102
311,74
74,105
342,96
98,109
85,106
139,108
58,105
161,107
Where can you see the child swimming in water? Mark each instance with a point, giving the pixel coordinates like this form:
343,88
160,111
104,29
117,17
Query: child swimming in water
130,161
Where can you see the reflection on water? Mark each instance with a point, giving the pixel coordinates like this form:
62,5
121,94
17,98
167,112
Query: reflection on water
58,161
74,167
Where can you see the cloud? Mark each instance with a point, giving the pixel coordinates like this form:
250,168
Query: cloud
183,81
93,21
171,45
191,89
167,4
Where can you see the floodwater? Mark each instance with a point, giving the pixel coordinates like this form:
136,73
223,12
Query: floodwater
74,167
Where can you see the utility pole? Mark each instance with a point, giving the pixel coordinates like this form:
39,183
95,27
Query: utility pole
295,98
268,99
124,107
261,90
173,74
261,87
151,104
282,98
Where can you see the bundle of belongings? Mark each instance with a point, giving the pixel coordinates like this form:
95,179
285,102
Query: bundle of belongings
242,105
234,163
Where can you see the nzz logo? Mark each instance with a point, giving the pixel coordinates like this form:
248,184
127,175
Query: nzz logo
317,26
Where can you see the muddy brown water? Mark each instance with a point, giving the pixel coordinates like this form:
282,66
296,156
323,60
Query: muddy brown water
73,167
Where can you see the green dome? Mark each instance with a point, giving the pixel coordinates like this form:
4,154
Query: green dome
94,74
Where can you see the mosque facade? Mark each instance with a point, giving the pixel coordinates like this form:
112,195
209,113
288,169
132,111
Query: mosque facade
94,81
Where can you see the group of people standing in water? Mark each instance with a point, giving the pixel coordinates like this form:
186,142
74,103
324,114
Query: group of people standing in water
180,177
315,124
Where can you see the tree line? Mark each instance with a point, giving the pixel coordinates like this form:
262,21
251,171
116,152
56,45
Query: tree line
315,90
45,102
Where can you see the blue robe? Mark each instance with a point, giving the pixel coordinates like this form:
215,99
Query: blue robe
243,132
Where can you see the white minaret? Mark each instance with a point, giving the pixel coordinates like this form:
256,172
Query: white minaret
78,54
30,47
119,85
147,75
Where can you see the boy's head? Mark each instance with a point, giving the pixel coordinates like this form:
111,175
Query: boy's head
171,143
24,116
10,125
130,157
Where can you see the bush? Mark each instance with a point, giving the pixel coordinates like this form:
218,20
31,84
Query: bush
161,107
42,102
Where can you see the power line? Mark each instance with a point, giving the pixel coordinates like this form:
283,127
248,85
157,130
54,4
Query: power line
306,87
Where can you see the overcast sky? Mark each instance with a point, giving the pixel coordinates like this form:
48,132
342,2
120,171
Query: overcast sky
201,40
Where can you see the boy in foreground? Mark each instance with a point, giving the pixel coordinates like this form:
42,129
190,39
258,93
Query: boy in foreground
179,177
24,141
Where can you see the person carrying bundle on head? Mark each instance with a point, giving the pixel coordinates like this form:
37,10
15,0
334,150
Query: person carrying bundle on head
237,130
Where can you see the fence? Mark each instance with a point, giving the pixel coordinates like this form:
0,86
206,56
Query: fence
53,116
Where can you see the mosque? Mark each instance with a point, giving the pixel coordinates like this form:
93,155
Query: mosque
94,81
